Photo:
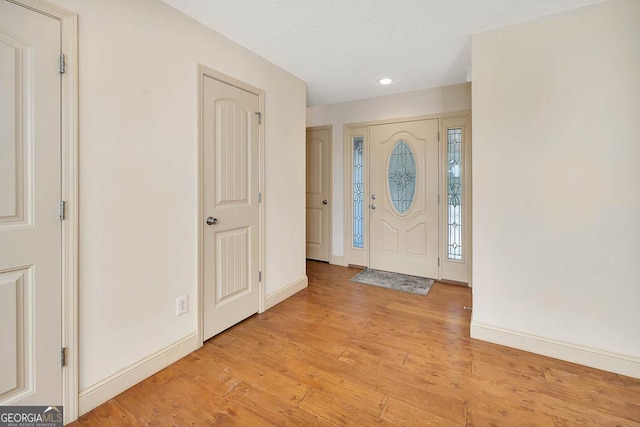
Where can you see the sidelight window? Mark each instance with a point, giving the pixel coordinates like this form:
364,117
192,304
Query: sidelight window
358,192
454,196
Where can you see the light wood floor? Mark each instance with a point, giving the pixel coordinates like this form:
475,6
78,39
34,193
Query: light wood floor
341,353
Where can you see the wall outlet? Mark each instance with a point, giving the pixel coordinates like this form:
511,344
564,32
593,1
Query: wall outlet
182,305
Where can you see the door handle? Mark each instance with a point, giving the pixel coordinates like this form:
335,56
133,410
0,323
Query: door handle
372,206
212,221
324,202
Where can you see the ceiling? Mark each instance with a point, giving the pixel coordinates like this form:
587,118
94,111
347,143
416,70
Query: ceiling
342,47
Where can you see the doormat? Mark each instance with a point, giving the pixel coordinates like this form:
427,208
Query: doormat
396,281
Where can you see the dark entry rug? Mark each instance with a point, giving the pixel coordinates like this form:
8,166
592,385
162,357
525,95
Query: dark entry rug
397,281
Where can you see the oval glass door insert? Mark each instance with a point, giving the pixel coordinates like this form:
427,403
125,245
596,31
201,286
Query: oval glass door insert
402,177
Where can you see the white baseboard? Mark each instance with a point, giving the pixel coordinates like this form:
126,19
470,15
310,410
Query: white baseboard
338,260
286,292
593,357
110,387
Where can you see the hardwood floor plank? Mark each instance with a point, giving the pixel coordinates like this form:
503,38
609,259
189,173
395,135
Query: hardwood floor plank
522,373
415,344
213,376
362,397
343,353
412,392
331,348
250,370
510,398
525,418
262,338
581,377
272,410
339,412
109,414
370,352
633,383
181,402
590,418
402,414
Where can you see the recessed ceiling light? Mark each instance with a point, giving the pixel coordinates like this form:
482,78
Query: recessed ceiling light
385,80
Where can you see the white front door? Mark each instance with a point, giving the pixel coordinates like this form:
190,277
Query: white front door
318,195
403,199
30,191
230,208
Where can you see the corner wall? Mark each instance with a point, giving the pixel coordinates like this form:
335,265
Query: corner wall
423,102
556,200
138,151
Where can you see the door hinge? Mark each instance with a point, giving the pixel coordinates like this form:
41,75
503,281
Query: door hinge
259,276
259,197
259,118
62,210
438,135
62,64
438,261
63,356
438,199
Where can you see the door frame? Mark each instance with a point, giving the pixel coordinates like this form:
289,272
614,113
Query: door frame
362,129
204,71
331,259
69,193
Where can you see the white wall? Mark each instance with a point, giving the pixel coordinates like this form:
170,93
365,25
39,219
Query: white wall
556,175
138,175
423,102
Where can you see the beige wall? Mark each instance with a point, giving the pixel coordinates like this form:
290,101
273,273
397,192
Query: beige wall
556,175
428,101
138,175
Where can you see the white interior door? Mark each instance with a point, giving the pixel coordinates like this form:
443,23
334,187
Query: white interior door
403,200
318,194
30,191
230,208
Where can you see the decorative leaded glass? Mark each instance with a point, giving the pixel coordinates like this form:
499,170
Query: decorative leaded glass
402,176
454,190
358,193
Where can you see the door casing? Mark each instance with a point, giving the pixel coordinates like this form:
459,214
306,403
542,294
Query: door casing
203,72
360,257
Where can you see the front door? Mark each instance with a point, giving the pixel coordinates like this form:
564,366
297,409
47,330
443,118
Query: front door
30,191
318,183
403,199
230,208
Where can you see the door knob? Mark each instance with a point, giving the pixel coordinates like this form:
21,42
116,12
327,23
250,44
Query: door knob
372,206
212,221
324,202
373,197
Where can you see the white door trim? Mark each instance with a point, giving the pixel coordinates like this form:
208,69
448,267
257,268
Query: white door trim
203,72
69,140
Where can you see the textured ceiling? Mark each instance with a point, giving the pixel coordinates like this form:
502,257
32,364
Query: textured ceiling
341,47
